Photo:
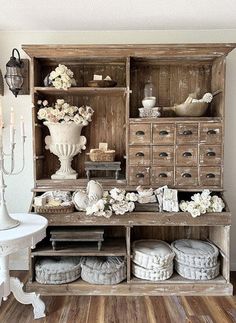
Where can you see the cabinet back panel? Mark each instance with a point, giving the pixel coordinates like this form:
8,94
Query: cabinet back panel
108,125
170,233
84,72
172,83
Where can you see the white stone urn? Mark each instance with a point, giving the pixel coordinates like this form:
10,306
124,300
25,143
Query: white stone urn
65,141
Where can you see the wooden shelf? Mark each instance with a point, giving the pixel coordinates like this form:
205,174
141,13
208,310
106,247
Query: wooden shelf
177,279
114,247
80,91
74,184
174,119
140,219
172,286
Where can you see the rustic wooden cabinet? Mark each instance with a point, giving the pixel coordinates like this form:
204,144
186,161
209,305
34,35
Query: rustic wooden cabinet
184,153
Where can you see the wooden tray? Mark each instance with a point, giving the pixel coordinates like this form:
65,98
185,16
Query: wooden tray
102,83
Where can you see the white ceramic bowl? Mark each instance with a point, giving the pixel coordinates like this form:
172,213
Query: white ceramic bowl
149,102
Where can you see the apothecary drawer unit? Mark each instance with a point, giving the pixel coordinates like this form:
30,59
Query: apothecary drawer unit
182,152
178,153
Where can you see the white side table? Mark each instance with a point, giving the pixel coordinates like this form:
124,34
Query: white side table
31,230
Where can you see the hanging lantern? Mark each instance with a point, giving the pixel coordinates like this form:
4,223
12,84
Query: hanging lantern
13,77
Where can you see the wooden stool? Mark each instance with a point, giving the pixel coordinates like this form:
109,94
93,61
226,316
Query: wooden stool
78,234
102,166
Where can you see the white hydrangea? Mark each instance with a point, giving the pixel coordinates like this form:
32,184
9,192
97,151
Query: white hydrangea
117,201
62,77
202,203
131,197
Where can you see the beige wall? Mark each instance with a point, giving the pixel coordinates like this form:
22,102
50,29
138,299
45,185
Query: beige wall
18,191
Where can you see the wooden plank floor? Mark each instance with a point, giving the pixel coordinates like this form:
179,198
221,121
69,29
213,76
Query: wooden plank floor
100,309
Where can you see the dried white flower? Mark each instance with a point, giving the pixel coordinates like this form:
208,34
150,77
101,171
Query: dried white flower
62,77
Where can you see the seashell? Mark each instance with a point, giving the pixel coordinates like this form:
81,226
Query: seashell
94,191
81,200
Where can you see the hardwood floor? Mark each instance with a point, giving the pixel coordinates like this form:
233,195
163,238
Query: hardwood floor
99,309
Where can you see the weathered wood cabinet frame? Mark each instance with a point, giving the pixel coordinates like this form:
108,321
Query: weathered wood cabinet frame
177,70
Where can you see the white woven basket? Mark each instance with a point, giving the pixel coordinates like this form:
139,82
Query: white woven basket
152,274
152,254
104,270
195,253
197,273
57,270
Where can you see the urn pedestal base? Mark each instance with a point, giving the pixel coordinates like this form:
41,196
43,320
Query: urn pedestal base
67,176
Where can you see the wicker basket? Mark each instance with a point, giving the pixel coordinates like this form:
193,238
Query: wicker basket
57,270
152,274
98,155
197,273
195,253
54,209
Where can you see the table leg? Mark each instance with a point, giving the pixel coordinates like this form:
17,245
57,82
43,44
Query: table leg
1,291
27,298
88,174
4,277
117,174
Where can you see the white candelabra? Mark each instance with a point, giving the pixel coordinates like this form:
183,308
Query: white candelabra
7,222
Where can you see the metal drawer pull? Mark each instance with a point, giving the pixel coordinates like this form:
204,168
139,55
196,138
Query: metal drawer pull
163,133
162,175
187,132
186,175
211,154
210,175
139,175
163,154
139,154
211,132
140,133
187,154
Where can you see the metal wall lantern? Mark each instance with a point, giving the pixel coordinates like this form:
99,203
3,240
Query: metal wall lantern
14,77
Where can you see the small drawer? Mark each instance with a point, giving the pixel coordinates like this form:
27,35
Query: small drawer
210,155
163,155
186,176
139,175
186,155
210,176
186,133
140,133
139,155
163,133
162,176
211,133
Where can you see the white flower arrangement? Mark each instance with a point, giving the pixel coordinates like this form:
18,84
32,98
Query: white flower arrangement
202,203
63,112
62,77
117,201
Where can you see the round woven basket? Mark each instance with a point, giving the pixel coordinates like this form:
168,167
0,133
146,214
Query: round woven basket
152,274
54,209
103,270
57,270
152,254
195,253
197,273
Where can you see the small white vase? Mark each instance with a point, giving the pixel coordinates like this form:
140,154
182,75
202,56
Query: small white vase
65,142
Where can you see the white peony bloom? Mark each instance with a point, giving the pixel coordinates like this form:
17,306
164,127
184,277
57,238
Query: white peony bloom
195,213
42,114
78,119
183,206
131,197
60,102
